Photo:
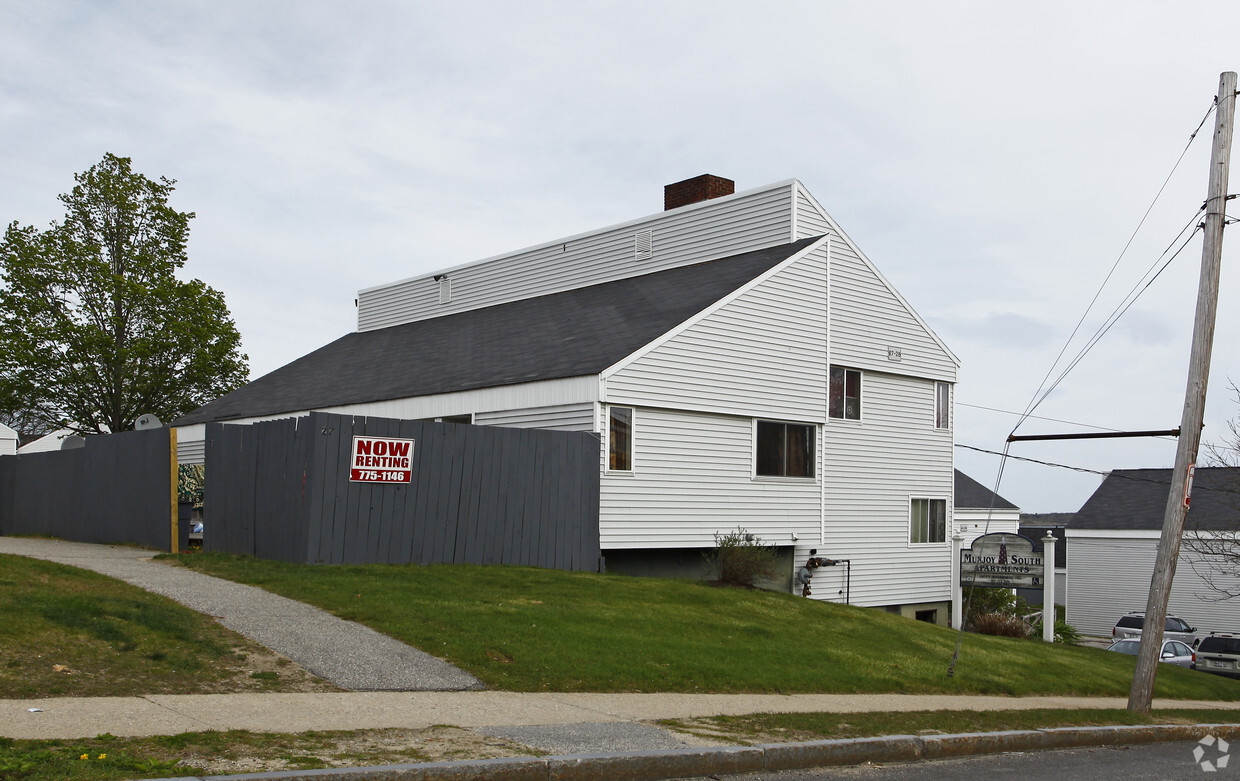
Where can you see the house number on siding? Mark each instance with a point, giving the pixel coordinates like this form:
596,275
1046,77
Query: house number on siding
894,354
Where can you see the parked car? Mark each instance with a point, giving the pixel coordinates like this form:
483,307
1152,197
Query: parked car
1219,653
1130,625
1173,651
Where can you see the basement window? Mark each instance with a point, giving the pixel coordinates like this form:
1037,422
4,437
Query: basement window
784,450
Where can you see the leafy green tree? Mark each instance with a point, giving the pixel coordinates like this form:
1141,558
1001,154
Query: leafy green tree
95,327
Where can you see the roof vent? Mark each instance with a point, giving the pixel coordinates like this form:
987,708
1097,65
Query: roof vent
699,188
643,244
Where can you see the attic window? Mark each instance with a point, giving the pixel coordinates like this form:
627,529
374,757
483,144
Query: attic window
445,289
643,244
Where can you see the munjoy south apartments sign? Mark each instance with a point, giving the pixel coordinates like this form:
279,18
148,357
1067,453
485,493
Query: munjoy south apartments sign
1002,560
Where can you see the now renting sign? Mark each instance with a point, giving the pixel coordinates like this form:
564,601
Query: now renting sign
381,460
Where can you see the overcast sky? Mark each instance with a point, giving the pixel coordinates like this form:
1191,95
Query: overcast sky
991,159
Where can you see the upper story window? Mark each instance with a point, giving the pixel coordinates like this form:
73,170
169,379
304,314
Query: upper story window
845,394
784,450
620,439
927,520
942,405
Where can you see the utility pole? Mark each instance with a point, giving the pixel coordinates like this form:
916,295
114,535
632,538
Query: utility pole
1141,696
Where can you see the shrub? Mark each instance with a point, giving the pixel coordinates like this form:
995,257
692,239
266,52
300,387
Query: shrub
992,600
740,558
1000,624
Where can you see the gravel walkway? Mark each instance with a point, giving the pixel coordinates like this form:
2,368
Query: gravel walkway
348,654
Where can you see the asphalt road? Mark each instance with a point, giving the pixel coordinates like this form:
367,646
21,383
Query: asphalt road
1150,762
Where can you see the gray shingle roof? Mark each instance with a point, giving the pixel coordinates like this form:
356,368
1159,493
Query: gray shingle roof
569,334
1137,499
973,495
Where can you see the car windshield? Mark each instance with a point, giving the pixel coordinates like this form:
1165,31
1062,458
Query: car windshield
1126,647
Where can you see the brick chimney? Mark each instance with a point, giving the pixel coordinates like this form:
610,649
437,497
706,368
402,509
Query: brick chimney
699,188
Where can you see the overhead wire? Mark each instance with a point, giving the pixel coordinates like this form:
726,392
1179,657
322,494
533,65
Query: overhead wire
1039,396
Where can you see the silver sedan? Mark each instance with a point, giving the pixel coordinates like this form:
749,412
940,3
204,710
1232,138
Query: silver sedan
1173,651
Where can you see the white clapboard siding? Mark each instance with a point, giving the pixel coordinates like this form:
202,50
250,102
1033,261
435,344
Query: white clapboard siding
974,522
868,318
692,234
872,467
761,353
562,417
692,478
1109,575
191,444
479,401
868,314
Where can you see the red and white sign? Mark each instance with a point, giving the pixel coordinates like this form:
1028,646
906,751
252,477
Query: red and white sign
381,460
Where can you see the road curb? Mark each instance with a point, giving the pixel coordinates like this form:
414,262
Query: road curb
726,760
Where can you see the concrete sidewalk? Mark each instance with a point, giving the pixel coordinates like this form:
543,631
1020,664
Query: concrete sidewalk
169,714
346,653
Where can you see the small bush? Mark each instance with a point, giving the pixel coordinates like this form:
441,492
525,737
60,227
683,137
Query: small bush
992,600
1000,625
1064,632
740,558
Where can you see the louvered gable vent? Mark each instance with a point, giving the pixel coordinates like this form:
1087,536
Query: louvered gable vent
643,244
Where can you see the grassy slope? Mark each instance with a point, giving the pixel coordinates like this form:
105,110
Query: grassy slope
527,629
71,632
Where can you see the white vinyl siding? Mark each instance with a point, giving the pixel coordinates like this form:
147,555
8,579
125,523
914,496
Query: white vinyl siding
707,231
867,318
191,452
871,468
480,401
693,477
564,417
762,354
1109,576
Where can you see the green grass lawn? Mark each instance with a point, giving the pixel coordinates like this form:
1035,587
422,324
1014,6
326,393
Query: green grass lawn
526,629
72,632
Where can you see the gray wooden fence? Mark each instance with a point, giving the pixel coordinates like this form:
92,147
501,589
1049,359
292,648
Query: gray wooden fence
115,489
479,494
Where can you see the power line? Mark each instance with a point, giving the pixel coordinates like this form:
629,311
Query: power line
1039,396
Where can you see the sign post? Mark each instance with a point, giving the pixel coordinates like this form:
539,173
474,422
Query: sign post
1049,613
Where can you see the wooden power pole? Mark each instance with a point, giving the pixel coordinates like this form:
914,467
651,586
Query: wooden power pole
1141,696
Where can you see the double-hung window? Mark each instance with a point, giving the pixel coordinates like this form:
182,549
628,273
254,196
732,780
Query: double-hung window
620,439
927,520
845,393
784,449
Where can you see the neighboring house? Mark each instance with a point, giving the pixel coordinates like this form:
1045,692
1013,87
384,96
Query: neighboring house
50,441
741,361
1113,541
8,441
980,510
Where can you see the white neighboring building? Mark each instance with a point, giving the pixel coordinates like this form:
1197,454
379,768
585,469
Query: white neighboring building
8,441
980,510
1113,541
741,360
51,441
